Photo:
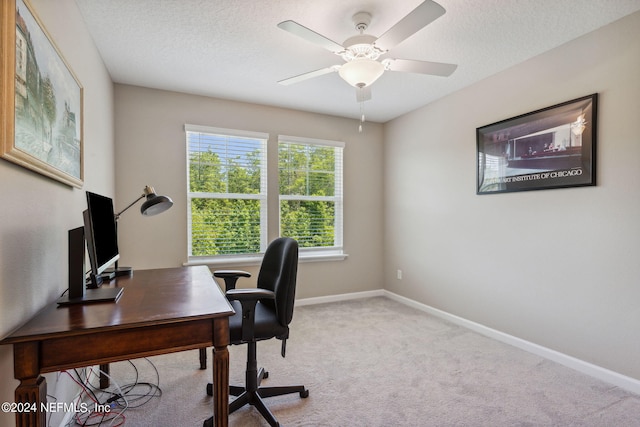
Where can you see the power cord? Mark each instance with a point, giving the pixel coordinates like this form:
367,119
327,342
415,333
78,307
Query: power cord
132,394
118,399
95,415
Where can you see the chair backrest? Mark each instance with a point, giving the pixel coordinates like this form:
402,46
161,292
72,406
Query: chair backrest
278,273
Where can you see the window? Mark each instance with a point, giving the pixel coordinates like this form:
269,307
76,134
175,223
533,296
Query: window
227,193
310,182
228,199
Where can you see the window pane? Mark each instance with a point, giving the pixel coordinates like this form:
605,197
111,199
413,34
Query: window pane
227,191
224,164
225,226
205,173
310,180
311,223
306,170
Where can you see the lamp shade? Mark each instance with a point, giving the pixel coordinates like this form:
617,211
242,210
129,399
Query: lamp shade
361,72
154,204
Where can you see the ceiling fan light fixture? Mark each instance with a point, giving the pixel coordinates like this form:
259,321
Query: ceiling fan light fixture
361,72
360,47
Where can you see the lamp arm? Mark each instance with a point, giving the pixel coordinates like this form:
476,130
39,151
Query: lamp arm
117,216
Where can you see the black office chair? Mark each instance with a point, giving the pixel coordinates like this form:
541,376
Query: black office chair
261,314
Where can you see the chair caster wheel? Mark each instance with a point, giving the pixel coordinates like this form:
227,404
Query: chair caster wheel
304,394
210,389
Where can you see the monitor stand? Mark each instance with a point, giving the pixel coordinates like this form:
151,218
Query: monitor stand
95,281
77,294
118,271
102,294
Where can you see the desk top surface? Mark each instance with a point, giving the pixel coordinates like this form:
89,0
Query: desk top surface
150,297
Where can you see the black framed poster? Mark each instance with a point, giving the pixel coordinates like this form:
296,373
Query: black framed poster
554,147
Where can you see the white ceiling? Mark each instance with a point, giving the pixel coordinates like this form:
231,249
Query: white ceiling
232,49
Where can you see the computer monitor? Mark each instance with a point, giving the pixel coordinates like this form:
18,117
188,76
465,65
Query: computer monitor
101,235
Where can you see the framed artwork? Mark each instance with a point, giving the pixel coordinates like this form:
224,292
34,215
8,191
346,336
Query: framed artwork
42,100
550,148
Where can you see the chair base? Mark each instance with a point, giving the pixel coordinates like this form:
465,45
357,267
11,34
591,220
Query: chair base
254,397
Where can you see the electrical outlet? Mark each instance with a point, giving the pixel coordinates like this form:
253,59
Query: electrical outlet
399,274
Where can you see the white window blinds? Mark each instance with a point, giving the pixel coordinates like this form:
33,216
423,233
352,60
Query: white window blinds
310,183
227,184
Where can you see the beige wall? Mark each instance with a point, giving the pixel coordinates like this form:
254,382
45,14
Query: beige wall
570,285
150,149
35,211
557,267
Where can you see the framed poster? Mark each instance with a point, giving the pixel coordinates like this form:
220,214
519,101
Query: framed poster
550,148
42,100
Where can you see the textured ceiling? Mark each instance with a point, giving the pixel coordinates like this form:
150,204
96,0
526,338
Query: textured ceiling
232,49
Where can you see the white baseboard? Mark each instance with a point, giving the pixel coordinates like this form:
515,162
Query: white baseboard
603,374
341,297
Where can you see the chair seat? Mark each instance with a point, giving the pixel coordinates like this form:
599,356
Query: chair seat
266,323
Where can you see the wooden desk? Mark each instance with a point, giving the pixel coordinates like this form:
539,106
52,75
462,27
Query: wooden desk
161,311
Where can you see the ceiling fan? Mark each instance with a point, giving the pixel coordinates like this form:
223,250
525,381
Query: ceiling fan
364,54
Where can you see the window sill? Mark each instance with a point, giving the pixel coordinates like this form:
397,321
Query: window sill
248,260
321,256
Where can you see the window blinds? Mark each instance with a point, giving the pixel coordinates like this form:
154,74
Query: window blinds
226,191
310,183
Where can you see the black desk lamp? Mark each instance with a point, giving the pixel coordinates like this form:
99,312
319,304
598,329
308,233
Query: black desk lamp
152,206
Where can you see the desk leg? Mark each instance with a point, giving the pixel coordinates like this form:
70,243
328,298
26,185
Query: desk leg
221,372
33,386
34,392
104,376
203,358
221,386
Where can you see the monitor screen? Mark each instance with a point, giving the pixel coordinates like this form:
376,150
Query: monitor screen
100,233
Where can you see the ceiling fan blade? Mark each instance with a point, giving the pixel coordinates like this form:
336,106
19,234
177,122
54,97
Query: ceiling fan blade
421,67
417,19
363,93
310,36
309,75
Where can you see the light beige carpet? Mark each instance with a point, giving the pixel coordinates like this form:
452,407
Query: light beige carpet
376,362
